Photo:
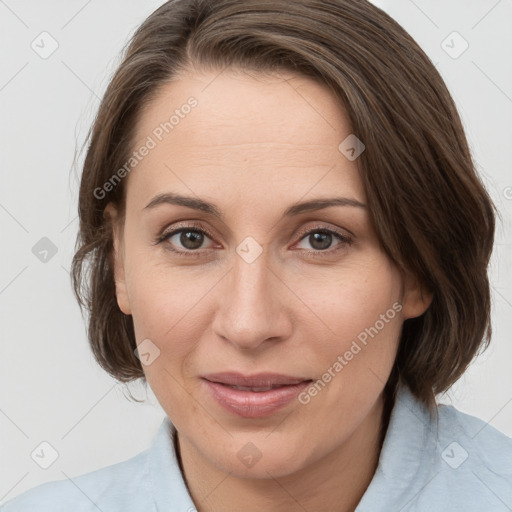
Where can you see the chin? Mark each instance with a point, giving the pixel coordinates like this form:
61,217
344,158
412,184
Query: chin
259,459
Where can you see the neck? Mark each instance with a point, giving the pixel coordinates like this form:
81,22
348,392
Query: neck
336,482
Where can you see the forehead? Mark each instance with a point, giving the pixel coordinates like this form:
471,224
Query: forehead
257,134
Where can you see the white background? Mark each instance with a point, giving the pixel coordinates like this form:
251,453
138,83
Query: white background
52,390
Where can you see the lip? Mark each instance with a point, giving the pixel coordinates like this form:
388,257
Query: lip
253,403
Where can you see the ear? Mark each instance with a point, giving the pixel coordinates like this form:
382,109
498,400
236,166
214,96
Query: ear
117,257
416,298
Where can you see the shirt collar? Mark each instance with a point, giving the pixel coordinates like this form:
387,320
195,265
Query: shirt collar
167,482
407,456
409,441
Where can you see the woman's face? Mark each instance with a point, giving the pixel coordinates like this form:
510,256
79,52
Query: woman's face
256,283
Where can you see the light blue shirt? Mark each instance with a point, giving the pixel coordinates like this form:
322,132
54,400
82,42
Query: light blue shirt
459,464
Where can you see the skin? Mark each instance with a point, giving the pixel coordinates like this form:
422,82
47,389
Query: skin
253,146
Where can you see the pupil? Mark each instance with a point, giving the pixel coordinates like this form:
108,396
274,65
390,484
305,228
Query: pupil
191,242
323,238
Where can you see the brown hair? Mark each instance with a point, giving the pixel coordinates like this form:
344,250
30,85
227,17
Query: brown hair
430,210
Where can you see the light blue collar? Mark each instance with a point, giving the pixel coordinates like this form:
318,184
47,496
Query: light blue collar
407,455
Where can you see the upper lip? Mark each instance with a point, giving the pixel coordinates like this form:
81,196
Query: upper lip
258,380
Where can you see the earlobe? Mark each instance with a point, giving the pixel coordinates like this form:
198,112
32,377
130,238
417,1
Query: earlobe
416,297
117,258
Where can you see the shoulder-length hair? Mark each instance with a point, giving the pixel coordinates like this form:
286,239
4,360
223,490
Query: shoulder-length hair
429,207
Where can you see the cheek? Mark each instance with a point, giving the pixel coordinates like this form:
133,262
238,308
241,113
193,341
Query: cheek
167,317
158,295
169,308
353,299
360,313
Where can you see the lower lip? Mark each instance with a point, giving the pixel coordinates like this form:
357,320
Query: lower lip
253,404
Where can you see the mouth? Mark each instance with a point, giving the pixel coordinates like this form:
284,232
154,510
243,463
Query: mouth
261,381
253,396
254,389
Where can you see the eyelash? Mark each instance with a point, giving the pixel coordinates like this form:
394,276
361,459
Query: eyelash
344,239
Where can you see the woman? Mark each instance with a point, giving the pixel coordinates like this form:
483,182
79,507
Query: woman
288,241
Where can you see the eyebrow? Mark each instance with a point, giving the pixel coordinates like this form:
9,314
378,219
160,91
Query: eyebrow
210,208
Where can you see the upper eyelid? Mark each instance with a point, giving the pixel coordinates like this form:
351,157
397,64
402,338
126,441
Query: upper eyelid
336,231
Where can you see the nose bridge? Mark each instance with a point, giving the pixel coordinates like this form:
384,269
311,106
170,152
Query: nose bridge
250,311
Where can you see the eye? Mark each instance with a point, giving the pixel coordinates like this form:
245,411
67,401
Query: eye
321,240
189,238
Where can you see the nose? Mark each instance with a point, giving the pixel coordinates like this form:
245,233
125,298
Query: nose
252,306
